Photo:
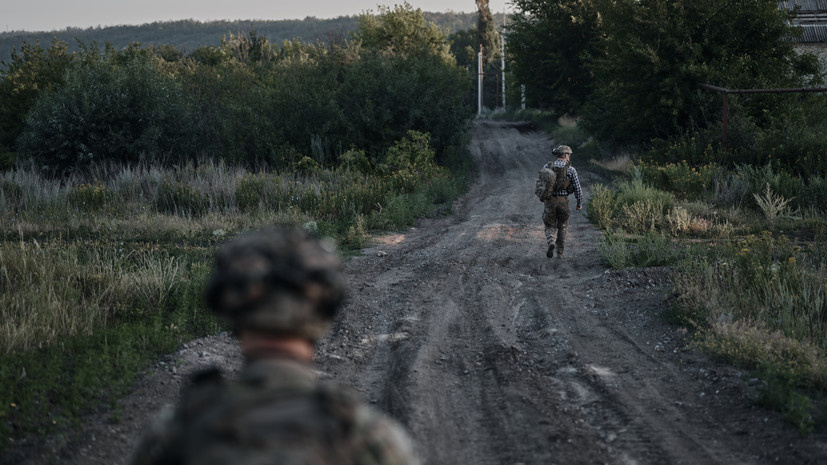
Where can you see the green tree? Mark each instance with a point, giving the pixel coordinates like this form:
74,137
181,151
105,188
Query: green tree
487,35
550,44
464,47
403,32
658,51
31,71
104,111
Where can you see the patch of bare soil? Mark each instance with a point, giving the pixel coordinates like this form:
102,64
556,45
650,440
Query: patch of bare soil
491,353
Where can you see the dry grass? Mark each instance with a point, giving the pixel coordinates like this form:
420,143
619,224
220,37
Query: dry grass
72,290
621,164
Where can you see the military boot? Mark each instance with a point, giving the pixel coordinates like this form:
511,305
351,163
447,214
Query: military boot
550,251
560,254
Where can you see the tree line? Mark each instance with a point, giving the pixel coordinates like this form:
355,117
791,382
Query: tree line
630,69
244,101
188,35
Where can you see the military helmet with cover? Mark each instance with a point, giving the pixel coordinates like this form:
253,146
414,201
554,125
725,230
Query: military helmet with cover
278,280
560,150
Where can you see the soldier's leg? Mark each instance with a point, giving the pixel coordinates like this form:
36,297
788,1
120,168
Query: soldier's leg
563,214
550,223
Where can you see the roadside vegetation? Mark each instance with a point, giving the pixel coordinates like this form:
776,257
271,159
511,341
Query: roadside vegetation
122,170
743,227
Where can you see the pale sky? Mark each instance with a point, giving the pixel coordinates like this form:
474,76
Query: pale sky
49,15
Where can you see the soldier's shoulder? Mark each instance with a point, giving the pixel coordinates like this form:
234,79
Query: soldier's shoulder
383,440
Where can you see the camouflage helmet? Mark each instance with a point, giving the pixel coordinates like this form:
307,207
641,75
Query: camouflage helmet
560,150
277,280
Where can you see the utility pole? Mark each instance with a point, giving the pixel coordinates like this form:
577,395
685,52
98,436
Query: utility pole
502,56
479,82
522,96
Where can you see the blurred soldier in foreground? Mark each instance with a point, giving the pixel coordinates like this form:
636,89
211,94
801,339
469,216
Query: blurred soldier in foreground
280,288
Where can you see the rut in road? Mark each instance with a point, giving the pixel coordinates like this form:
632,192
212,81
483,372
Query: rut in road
491,353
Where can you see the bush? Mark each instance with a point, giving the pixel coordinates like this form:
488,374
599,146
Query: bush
646,250
602,206
91,196
681,179
106,112
178,198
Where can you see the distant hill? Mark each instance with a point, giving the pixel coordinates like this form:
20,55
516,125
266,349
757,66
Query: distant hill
188,35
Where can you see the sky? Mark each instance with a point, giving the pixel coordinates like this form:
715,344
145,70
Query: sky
49,15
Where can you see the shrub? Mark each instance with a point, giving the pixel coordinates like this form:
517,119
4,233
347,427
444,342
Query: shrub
773,206
91,196
250,192
678,220
644,251
12,193
175,197
602,206
681,179
355,160
104,111
640,216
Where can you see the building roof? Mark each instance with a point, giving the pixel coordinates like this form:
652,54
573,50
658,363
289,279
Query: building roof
811,17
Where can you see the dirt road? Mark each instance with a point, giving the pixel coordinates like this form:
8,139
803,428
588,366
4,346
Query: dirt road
491,353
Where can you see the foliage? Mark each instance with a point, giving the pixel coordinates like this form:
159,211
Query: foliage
773,206
29,72
789,139
657,51
251,103
643,251
681,179
191,34
384,98
103,312
551,44
118,263
487,35
104,111
402,31
602,206
760,302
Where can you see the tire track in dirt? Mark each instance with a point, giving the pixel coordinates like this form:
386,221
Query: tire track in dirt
491,353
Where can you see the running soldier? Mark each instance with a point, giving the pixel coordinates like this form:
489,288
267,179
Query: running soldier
280,288
558,179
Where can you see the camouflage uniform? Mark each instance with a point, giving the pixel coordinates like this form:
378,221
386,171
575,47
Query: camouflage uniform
556,211
276,412
281,283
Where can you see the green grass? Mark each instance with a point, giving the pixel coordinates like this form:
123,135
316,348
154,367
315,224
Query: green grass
49,386
101,274
752,295
645,250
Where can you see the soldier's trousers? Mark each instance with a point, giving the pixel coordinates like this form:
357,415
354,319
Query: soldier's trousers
556,220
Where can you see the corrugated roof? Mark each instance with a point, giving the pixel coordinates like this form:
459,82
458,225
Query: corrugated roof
814,33
812,18
806,5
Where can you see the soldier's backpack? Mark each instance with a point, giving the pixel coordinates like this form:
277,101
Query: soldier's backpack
562,182
551,179
224,421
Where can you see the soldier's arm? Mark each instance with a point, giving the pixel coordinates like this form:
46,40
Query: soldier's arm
578,192
382,441
155,444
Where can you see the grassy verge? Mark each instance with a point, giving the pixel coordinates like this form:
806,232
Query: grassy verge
747,244
101,275
750,277
761,302
81,320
